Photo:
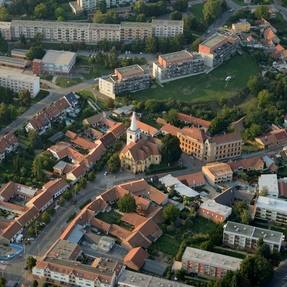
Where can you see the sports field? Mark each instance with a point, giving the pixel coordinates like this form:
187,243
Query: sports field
207,87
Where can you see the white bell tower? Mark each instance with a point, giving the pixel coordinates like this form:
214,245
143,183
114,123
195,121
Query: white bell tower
133,132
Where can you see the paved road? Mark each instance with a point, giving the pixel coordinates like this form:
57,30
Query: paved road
54,94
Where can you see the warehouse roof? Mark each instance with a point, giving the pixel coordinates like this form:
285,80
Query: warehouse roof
58,57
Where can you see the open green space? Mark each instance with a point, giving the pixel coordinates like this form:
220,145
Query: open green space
207,87
111,217
167,244
64,82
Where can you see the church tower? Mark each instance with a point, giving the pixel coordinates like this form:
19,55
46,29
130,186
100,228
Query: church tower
133,132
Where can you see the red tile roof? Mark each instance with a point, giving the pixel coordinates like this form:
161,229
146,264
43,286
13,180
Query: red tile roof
6,141
198,122
135,258
169,129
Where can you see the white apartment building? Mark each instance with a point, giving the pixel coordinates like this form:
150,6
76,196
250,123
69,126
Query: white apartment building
16,81
269,183
245,237
91,5
271,209
167,28
79,32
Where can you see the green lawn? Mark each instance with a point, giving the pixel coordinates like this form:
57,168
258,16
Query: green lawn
207,87
64,82
167,244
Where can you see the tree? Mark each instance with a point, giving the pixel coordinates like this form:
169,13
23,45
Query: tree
41,162
103,6
45,217
261,12
35,283
2,282
175,15
40,11
170,149
263,249
3,44
114,163
212,9
60,13
127,203
180,5
257,270
30,262
24,98
35,52
4,14
170,213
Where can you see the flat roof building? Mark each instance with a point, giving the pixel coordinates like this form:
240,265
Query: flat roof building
177,65
209,264
214,211
16,81
124,80
19,53
58,61
13,62
242,236
217,172
271,209
268,183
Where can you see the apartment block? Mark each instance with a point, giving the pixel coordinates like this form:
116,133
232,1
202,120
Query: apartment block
17,81
91,5
135,31
91,33
124,80
208,264
167,28
271,209
218,48
245,237
217,172
177,65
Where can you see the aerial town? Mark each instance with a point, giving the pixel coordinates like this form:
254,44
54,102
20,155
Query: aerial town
143,143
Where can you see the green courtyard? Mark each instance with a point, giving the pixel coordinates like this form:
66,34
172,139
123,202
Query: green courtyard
207,87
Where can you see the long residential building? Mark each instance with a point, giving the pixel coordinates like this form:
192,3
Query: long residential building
245,237
218,48
195,142
271,209
208,264
177,65
125,79
17,81
91,33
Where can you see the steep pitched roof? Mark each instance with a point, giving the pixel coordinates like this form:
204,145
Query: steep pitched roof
135,258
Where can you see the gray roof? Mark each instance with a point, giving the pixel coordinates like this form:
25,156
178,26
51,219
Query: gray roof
254,232
131,278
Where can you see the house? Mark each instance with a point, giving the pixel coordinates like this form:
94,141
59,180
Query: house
248,164
15,190
135,258
193,179
276,136
147,129
208,264
139,153
245,237
8,144
214,211
77,173
193,121
217,172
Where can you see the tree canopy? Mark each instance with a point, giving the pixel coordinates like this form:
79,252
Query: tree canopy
127,203
170,149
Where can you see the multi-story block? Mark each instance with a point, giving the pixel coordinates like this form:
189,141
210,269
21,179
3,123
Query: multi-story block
218,48
167,28
126,79
177,65
214,211
217,172
91,33
195,142
208,264
17,81
135,31
271,209
245,237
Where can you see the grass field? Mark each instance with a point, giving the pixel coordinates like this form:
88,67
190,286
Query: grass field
207,87
167,244
64,82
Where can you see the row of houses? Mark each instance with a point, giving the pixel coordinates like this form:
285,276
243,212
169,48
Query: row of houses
90,33
168,67
67,106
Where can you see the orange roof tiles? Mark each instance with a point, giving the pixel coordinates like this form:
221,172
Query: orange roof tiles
193,179
194,133
147,129
193,120
135,258
169,129
133,219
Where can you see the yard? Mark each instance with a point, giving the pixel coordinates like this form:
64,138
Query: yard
196,11
65,82
207,87
167,244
